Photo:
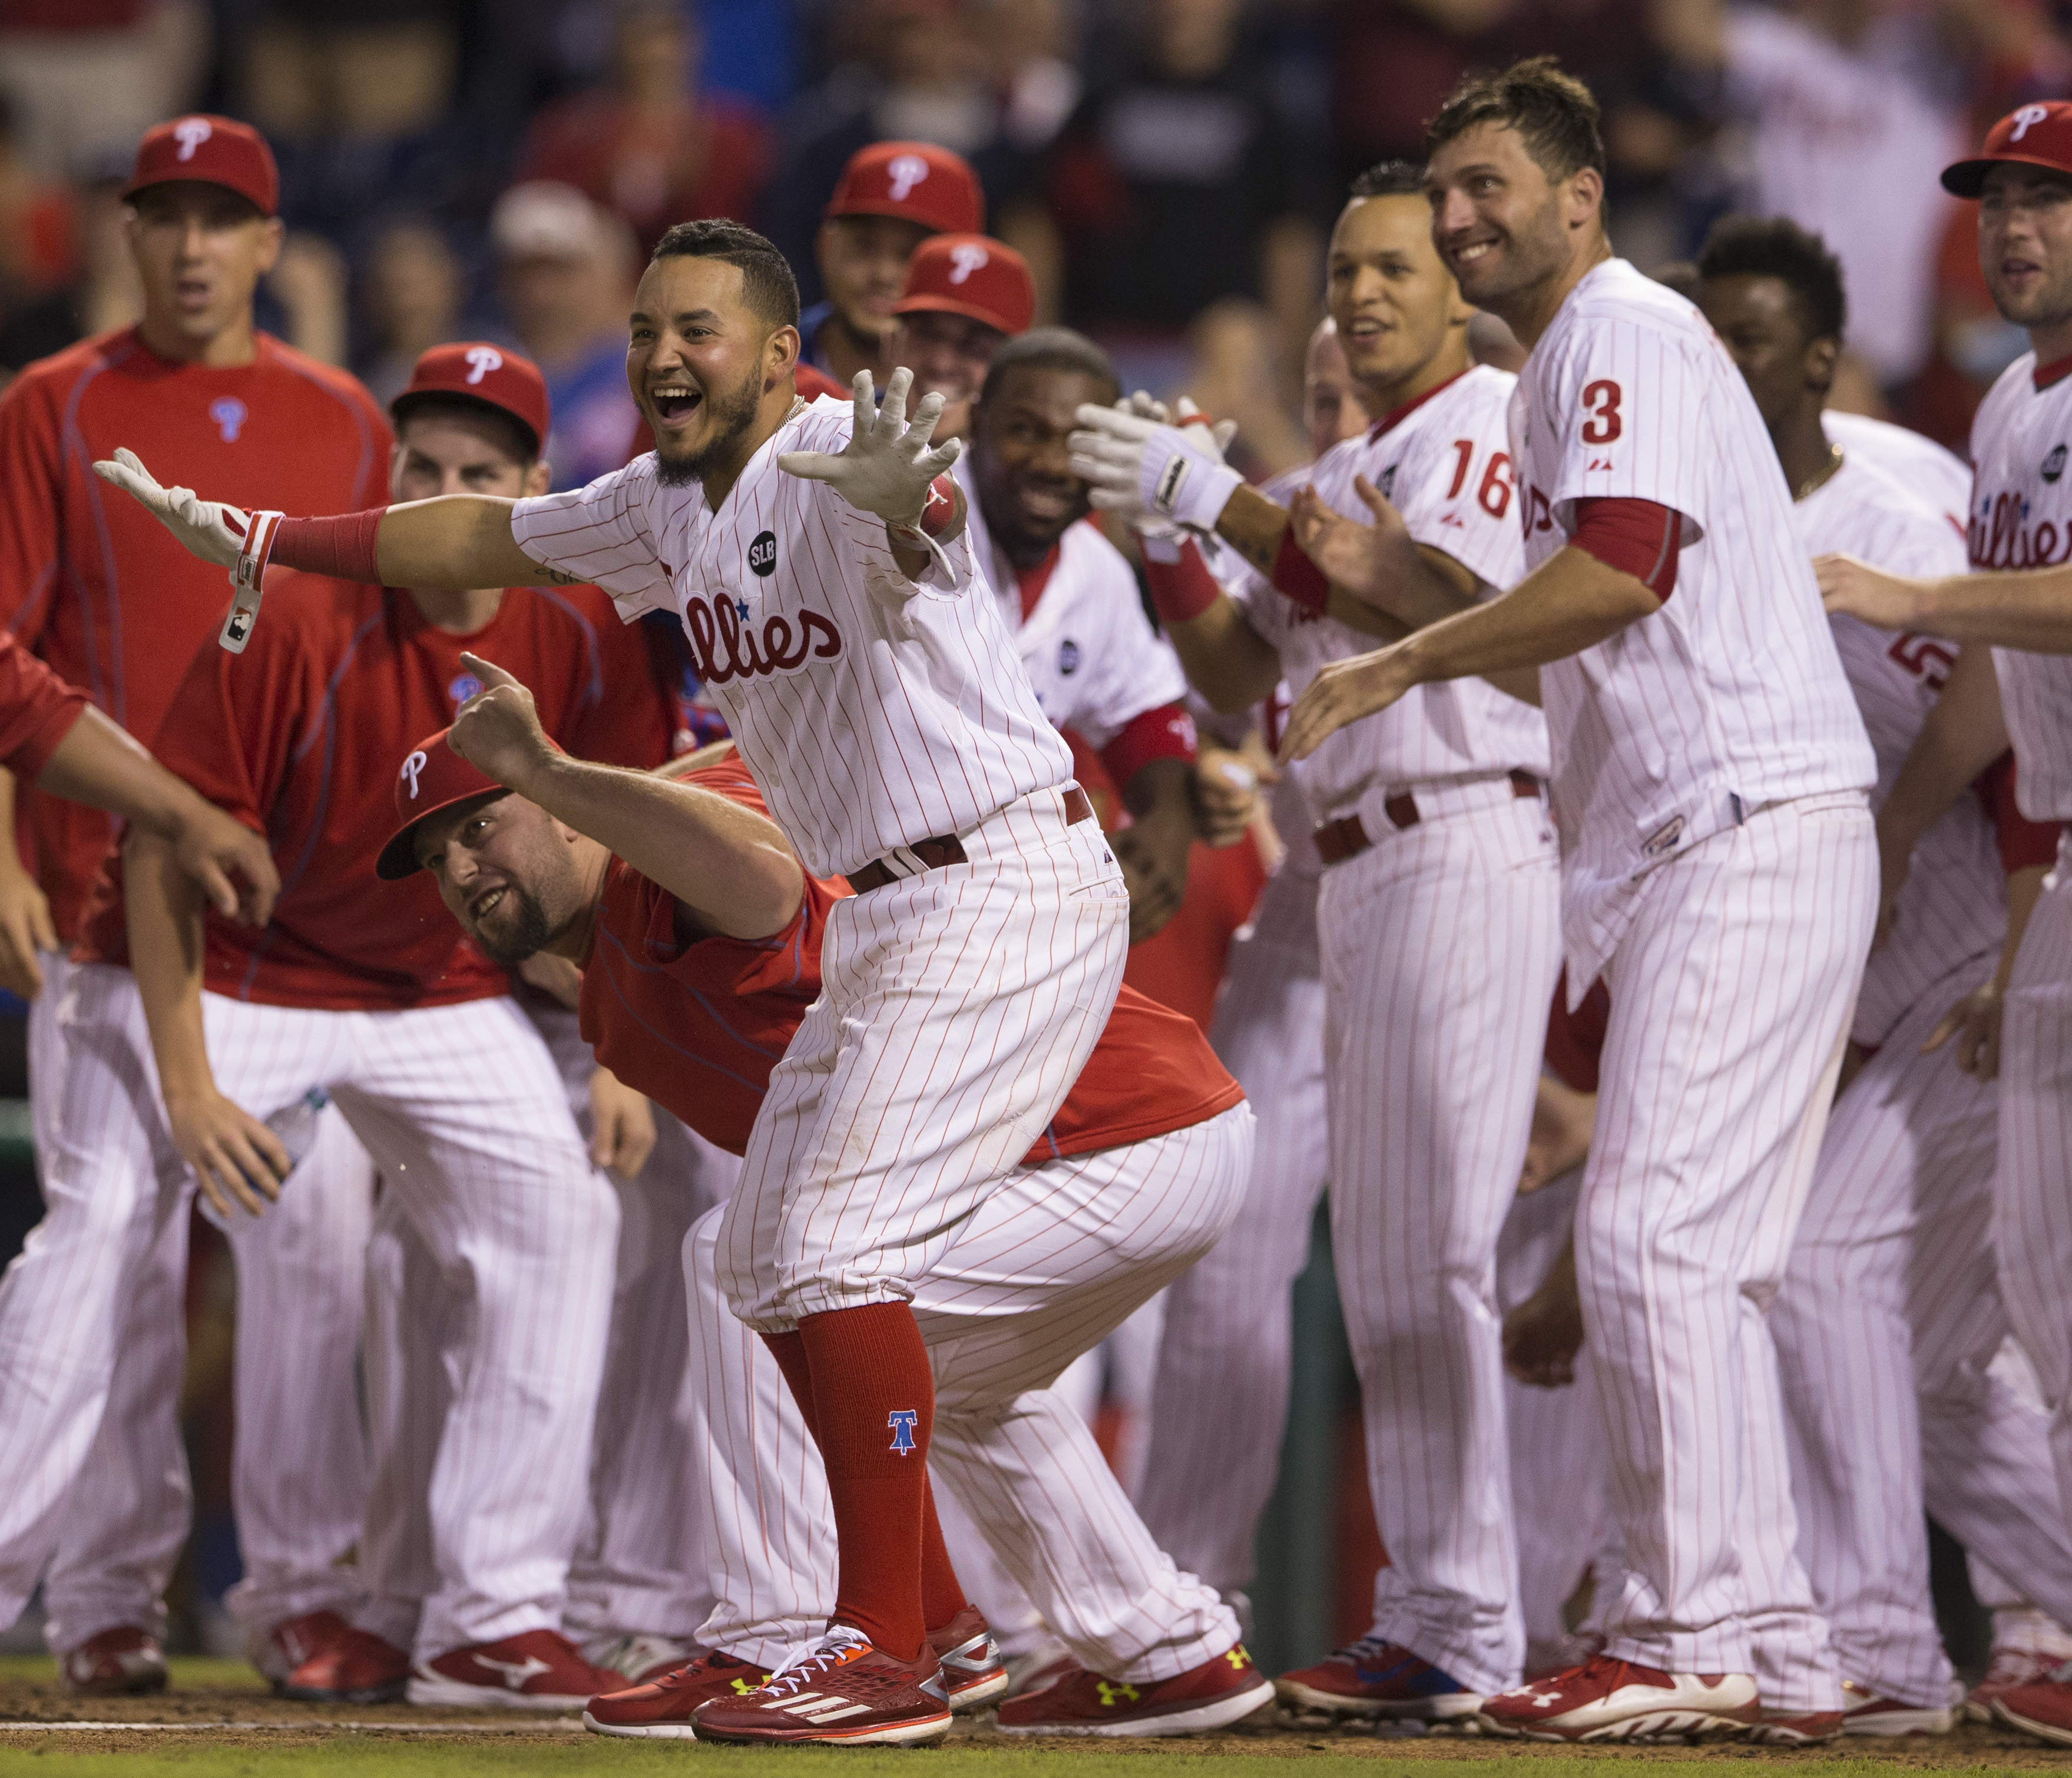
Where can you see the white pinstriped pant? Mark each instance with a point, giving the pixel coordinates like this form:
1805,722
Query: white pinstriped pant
957,1006
1888,1322
462,1109
1441,946
1731,995
1219,1404
1056,1257
2033,1206
640,1565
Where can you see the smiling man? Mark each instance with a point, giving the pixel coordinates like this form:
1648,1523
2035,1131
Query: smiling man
1437,914
965,296
1709,773
849,636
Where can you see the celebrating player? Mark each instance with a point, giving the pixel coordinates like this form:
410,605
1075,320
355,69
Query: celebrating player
832,603
1710,769
2019,600
1437,916
89,585
964,297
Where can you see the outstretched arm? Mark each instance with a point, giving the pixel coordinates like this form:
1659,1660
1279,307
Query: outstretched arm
730,868
2030,610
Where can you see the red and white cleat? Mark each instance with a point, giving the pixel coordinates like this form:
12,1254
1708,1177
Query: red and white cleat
1786,1728
973,1674
540,1670
846,1691
1378,1681
2042,1709
1864,1713
1606,1699
320,1658
2007,1668
1212,1696
641,1655
118,1663
660,1710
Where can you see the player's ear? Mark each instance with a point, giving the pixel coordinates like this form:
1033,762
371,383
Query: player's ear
539,478
1821,358
1583,197
780,357
270,251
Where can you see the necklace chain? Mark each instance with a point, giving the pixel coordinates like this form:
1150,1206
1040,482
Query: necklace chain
1820,475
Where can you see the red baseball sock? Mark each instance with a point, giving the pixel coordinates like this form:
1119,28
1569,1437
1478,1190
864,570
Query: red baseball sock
875,1398
942,1593
789,1350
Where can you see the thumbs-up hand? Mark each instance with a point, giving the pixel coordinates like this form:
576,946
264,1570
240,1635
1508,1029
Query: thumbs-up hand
498,730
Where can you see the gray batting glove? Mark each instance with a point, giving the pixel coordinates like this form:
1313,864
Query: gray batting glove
1152,471
214,530
887,466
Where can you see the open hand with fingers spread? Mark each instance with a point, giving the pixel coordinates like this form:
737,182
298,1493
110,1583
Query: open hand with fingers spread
887,467
1368,560
497,731
1344,691
214,530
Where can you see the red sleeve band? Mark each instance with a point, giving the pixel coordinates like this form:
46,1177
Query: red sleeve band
342,547
1166,732
2024,844
1637,537
1298,578
1181,590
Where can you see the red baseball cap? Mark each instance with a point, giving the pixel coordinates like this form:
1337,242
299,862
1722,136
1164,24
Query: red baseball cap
2030,135
215,150
433,776
916,180
970,275
476,371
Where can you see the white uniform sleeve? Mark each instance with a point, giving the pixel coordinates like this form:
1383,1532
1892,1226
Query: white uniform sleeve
601,533
1456,495
1761,50
1626,410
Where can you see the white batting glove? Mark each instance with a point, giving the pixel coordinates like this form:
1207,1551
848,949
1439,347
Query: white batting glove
887,467
1148,470
212,529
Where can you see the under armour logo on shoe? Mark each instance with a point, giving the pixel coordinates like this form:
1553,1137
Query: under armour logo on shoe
1112,1695
1239,1657
903,1421
516,1673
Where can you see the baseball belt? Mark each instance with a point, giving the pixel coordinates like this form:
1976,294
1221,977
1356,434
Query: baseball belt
1346,838
947,849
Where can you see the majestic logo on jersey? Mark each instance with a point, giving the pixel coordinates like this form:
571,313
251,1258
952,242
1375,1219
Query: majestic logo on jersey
724,646
1068,656
2001,536
902,1421
229,414
191,133
1664,839
762,555
908,171
1388,483
2027,119
966,257
2053,465
462,689
482,360
412,767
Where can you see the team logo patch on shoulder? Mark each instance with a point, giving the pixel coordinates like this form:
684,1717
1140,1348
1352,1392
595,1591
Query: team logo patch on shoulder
762,554
2053,465
1068,656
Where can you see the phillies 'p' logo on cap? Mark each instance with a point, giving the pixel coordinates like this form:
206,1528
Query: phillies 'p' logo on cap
2038,134
966,257
481,361
972,275
916,182
209,150
191,133
413,769
432,777
908,171
496,375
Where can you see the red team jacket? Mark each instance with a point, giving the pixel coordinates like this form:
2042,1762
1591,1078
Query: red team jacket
697,1027
299,736
92,584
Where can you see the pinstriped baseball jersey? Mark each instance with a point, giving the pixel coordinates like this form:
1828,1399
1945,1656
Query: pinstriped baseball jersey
873,711
1445,465
1954,907
1940,478
1732,695
2022,517
1087,647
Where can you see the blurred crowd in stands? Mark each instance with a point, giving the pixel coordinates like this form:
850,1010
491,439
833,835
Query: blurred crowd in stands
1169,167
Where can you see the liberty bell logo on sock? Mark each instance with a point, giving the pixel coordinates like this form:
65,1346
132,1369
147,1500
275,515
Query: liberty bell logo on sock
902,1421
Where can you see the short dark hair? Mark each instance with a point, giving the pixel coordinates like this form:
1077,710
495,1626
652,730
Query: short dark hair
1553,113
1050,349
1777,246
518,443
1389,180
766,281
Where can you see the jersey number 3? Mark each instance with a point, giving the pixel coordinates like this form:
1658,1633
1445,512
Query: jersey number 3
1601,398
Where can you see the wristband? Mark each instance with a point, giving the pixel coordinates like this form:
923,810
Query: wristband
1184,484
248,576
1298,579
341,547
1181,590
940,521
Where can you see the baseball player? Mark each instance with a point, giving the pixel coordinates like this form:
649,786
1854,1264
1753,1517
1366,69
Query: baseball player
1709,783
965,296
177,1046
848,636
1437,918
701,943
2017,600
90,586
1224,1353
891,197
